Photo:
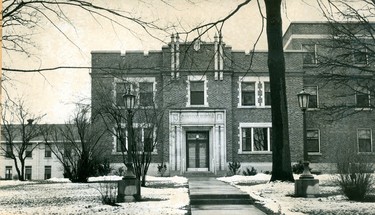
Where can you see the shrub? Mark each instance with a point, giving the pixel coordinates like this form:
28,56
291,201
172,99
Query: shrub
234,167
298,168
161,169
250,172
108,192
355,180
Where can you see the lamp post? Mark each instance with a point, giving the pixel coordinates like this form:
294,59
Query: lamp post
306,185
129,100
303,101
129,189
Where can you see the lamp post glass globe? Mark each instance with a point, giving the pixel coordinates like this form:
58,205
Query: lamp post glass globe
303,99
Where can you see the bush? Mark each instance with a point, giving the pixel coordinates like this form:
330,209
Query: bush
161,169
108,192
250,172
298,168
234,167
355,180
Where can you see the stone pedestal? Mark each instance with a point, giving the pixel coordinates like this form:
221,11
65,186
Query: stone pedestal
306,187
128,190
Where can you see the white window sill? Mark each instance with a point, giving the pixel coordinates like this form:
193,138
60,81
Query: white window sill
310,65
254,107
155,152
363,109
315,153
313,109
196,106
254,153
366,153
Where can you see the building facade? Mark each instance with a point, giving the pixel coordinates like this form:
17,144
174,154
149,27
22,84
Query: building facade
216,104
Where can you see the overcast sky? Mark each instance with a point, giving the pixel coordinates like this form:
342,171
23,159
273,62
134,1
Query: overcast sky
55,92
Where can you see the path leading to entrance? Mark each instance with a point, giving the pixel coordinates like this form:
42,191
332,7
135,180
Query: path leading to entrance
211,196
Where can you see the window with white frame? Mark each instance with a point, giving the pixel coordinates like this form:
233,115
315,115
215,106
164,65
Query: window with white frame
313,140
47,172
28,172
362,98
144,137
143,88
197,91
364,140
8,172
254,92
255,137
313,98
146,94
309,55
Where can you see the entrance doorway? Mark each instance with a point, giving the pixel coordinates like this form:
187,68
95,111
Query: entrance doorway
197,153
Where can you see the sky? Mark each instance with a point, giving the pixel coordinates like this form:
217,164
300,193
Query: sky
55,93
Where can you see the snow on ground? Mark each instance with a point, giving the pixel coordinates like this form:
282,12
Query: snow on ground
277,196
56,196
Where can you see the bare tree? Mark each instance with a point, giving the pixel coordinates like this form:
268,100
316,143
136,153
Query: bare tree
19,131
77,145
146,119
347,56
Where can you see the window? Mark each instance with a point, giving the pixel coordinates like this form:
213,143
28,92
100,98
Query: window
248,93
197,92
309,55
8,172
28,172
313,100
362,99
267,94
364,140
47,172
47,151
8,152
121,89
146,94
360,56
313,144
256,139
29,152
67,150
143,136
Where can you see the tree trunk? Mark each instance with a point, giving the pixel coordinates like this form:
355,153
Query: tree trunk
17,169
281,163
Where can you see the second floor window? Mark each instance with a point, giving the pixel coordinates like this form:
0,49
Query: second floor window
8,151
248,93
313,99
362,99
197,92
309,55
47,152
121,89
146,94
29,151
267,94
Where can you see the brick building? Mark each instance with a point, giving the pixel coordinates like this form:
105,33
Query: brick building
217,108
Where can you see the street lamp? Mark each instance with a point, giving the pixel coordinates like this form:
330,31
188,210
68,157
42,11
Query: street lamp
129,100
129,189
306,185
303,101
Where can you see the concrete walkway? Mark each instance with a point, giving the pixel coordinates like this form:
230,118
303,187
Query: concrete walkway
211,196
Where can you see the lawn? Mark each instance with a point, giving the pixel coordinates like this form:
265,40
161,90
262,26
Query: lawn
163,196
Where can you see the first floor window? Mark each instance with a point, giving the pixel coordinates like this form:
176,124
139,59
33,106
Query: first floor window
28,172
47,172
313,144
256,139
364,140
143,138
8,172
